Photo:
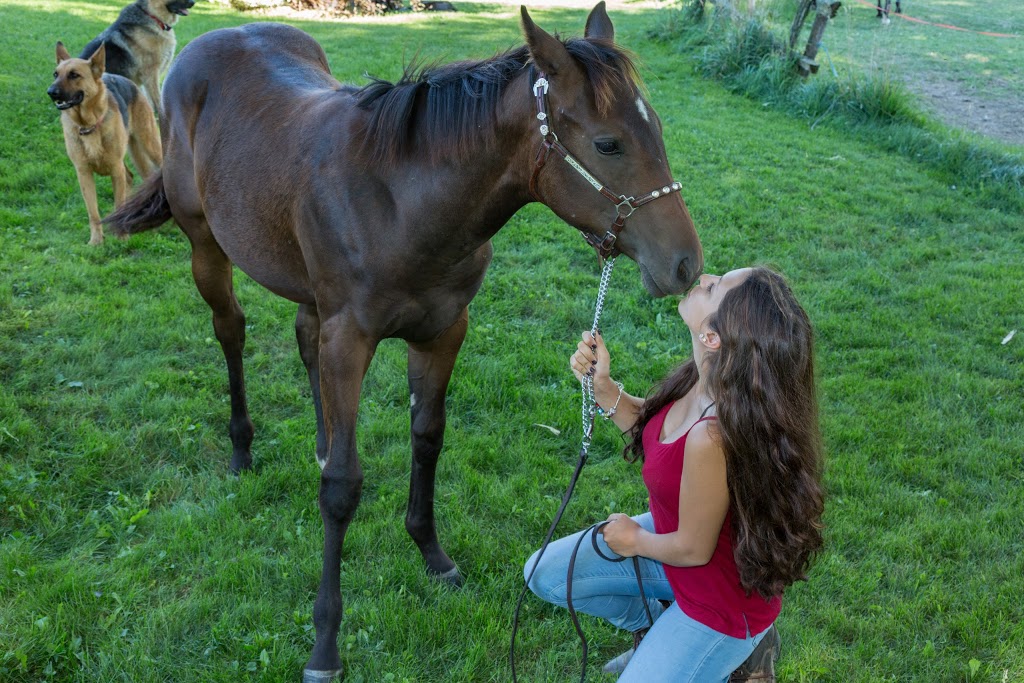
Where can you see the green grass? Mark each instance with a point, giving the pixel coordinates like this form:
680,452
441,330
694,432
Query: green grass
127,553
856,41
749,54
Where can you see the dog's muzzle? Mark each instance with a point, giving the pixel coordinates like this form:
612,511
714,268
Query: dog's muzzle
62,101
181,8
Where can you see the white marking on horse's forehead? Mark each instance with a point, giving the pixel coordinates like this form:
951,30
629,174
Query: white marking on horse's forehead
643,109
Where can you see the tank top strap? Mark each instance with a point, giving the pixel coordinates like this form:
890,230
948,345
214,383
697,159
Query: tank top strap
709,417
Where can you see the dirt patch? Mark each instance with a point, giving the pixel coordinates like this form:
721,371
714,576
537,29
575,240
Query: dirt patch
963,105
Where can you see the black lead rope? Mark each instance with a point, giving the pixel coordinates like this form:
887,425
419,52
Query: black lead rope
594,530
587,415
544,546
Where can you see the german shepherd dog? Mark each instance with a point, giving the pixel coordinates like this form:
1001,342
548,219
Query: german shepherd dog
103,115
140,43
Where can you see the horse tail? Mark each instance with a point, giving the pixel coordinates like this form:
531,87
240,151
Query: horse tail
146,209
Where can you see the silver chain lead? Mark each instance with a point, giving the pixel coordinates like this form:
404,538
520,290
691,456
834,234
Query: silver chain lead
589,402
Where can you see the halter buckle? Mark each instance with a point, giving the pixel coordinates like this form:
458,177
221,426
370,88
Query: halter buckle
541,83
607,244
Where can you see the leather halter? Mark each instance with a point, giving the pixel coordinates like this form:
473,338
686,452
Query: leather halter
624,206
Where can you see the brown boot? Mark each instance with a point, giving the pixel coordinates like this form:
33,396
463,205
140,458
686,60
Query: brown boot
618,664
760,665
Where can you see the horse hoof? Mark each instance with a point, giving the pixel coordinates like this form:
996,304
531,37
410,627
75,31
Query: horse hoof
239,465
452,577
310,676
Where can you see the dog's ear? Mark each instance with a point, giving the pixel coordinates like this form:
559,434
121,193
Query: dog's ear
547,51
599,25
62,52
98,60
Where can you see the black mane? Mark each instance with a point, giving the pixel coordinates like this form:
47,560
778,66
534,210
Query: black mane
453,105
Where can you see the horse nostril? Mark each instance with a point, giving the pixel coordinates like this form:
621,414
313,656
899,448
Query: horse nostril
683,270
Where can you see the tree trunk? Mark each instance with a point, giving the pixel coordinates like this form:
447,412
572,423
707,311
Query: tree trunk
798,22
807,65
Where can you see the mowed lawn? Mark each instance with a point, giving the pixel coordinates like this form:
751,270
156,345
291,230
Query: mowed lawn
128,553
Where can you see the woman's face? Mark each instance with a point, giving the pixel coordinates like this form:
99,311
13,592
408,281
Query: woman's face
704,298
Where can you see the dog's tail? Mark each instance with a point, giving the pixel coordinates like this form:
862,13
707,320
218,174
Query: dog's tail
146,209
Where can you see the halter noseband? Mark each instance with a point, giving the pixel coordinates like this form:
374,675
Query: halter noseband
624,206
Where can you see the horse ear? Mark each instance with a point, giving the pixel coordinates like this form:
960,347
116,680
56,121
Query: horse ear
98,60
548,53
62,52
599,25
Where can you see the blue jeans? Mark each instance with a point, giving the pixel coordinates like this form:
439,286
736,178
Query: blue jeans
677,649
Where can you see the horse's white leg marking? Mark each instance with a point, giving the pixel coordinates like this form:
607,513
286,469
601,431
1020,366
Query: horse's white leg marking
323,463
643,109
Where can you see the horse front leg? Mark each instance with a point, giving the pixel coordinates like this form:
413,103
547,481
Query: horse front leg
344,357
430,368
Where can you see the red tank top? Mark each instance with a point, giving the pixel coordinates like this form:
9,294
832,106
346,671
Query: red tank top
711,593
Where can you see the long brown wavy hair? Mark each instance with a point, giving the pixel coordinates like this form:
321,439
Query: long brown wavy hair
762,381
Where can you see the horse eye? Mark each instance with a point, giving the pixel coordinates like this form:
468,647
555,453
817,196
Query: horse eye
74,75
55,74
607,147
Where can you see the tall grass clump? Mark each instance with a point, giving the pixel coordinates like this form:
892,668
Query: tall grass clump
748,56
739,48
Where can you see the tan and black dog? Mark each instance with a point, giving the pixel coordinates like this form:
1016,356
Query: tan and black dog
140,43
103,116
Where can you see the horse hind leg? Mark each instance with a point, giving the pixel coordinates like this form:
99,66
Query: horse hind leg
307,333
430,369
211,270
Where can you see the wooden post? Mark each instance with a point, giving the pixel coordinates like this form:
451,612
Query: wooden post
725,8
798,22
807,65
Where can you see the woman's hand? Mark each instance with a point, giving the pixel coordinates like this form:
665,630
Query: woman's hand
591,358
621,534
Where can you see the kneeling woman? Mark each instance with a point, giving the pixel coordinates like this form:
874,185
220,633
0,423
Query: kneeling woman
731,457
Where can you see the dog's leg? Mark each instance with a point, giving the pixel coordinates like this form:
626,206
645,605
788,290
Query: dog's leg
121,179
152,87
144,140
87,184
141,158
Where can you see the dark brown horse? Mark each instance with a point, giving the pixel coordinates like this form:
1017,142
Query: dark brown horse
373,208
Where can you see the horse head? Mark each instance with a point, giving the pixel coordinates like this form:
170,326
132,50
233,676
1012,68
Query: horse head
615,185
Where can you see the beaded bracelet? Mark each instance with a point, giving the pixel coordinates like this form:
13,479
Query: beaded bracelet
607,414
